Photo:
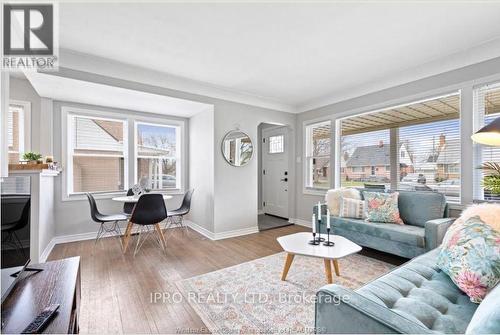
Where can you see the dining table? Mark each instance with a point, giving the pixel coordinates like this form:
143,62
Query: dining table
134,199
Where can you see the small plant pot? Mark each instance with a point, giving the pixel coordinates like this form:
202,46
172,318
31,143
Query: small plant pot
32,162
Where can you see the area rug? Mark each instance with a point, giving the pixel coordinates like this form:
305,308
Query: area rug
251,298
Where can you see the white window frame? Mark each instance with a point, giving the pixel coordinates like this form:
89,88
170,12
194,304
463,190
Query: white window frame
25,126
67,126
179,127
130,161
478,123
307,189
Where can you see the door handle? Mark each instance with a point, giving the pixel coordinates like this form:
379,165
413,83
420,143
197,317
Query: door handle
284,179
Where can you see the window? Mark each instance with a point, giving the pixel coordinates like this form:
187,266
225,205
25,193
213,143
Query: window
157,147
97,159
486,109
427,136
318,155
15,133
276,144
360,151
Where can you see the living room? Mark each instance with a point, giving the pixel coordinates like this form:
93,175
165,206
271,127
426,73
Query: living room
256,167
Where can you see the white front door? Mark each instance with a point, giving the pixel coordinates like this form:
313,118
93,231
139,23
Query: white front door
275,171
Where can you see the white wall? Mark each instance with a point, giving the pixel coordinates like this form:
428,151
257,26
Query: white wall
461,79
201,169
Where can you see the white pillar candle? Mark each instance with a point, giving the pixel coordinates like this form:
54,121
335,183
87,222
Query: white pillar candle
328,218
314,223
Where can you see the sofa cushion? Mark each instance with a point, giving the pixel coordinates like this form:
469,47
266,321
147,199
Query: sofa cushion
418,207
486,320
382,207
470,255
421,292
411,235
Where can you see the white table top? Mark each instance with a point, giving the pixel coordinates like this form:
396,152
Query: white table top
298,244
132,199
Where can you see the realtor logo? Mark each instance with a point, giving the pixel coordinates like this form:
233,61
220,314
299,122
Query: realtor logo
29,36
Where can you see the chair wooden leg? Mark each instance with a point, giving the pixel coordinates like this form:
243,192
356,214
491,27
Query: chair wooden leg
126,237
160,234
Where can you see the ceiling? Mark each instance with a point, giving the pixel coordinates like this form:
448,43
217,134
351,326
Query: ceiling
298,54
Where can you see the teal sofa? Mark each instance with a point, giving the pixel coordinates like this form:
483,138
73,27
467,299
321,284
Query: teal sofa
425,215
416,298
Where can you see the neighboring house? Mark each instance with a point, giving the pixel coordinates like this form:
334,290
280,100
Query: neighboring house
448,161
373,162
92,171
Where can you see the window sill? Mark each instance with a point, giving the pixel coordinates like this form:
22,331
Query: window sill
111,195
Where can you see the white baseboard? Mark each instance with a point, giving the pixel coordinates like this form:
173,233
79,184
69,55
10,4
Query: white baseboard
300,222
203,231
46,252
260,212
235,233
223,235
92,235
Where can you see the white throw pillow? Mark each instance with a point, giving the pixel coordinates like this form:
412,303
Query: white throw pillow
489,214
334,197
352,208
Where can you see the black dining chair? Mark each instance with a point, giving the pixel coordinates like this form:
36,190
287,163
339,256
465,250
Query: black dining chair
9,228
149,211
176,216
108,223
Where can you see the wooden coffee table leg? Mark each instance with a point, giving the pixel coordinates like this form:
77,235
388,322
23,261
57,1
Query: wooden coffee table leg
328,271
288,263
336,266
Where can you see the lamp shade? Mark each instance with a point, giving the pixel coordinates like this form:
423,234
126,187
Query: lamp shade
489,134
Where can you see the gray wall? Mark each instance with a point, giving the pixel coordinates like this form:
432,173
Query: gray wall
464,79
201,169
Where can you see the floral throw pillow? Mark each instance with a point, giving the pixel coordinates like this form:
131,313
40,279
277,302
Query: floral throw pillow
470,256
382,207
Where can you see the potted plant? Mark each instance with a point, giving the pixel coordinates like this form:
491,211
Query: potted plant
491,180
32,157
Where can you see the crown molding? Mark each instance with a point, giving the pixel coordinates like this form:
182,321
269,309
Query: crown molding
480,53
75,60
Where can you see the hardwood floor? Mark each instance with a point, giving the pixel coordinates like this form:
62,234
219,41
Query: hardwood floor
117,289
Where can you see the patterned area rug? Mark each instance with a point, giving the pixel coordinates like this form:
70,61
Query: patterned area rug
251,298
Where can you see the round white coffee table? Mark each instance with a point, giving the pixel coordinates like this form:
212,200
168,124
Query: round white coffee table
132,199
298,244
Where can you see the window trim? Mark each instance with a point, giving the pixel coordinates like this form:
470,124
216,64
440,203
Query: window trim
178,151
305,188
67,146
401,103
26,130
130,166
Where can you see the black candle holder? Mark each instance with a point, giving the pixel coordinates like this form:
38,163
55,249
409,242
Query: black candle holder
328,243
319,239
314,241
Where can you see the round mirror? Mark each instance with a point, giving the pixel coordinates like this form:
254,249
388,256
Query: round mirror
237,148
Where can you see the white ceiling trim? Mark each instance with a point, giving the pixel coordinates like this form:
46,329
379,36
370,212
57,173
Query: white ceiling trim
483,52
73,90
106,67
